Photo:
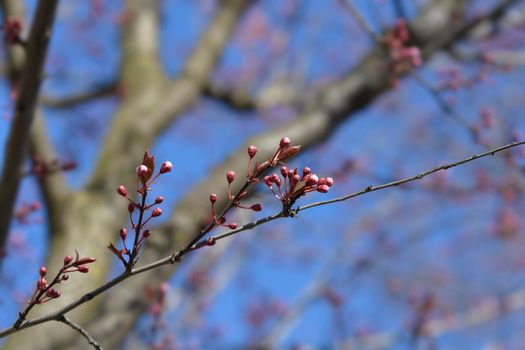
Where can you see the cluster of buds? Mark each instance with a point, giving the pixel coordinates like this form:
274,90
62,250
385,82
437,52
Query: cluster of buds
287,190
403,56
145,171
290,185
12,30
23,212
285,151
219,220
45,291
43,168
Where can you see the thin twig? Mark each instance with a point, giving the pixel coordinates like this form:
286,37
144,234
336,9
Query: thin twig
175,257
80,330
412,178
349,6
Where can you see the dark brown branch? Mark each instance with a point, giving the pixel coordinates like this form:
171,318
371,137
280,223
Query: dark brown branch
25,104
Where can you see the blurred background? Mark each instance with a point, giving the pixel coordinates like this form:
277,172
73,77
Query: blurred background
373,90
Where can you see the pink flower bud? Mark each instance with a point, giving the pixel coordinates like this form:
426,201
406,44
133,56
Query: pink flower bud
85,261
256,207
233,225
285,142
213,198
210,241
68,259
146,233
230,176
42,271
323,188
252,151
156,212
123,233
41,284
83,268
284,171
329,181
52,293
312,180
306,171
122,191
131,207
166,167
142,171
159,200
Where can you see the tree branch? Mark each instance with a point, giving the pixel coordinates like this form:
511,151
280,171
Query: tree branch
28,89
65,320
236,99
176,257
334,104
131,131
103,90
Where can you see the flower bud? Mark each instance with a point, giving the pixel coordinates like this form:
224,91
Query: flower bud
131,207
213,198
268,181
123,233
159,200
166,167
312,180
323,188
329,181
85,261
122,191
41,283
146,233
142,171
285,142
52,293
284,171
211,241
233,225
83,268
306,171
256,207
230,176
42,271
68,259
252,150
156,212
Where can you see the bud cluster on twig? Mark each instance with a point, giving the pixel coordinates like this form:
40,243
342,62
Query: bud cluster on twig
129,256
